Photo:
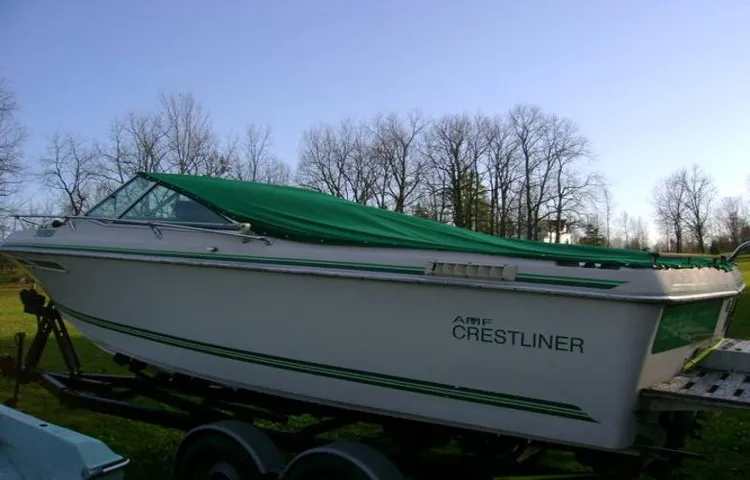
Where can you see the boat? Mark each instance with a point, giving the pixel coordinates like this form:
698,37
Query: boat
32,449
295,293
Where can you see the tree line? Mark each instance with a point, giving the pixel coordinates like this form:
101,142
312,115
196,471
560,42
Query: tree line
524,173
692,216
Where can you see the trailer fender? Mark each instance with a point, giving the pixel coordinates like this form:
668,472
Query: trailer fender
341,460
263,453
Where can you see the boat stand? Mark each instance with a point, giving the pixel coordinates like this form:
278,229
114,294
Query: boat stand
213,415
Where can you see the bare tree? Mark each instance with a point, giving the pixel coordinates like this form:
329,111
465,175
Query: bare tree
279,173
114,156
319,167
70,168
639,239
189,137
362,173
134,143
569,194
699,191
31,205
516,174
256,161
554,184
669,199
396,147
625,226
257,155
632,232
221,160
609,208
570,187
340,162
683,201
454,146
12,137
178,138
148,143
666,241
503,172
732,219
535,134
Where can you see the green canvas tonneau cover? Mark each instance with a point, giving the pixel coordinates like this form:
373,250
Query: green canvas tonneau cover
306,216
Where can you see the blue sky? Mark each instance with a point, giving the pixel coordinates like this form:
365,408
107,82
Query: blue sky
654,85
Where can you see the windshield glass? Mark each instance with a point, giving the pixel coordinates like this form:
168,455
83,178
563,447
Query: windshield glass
165,205
118,201
142,199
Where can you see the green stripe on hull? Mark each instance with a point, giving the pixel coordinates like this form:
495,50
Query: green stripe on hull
325,264
387,381
569,281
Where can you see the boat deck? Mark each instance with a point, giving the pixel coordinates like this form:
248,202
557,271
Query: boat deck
720,381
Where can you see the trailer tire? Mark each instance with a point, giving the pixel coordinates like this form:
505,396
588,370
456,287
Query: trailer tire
341,461
215,456
227,450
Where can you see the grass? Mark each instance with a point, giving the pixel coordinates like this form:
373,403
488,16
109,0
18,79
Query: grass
725,437
150,447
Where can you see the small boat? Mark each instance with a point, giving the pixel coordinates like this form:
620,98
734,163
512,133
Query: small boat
31,449
299,294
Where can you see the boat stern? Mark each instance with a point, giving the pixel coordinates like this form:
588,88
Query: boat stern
692,364
697,316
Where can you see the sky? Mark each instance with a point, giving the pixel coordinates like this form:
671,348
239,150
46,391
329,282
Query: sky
655,86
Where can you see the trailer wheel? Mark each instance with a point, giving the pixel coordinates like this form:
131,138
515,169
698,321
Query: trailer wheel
227,450
341,461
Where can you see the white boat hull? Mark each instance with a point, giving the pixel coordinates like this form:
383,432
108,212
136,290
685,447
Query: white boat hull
538,364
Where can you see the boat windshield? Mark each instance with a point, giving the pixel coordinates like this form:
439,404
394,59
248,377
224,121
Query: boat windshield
142,199
118,201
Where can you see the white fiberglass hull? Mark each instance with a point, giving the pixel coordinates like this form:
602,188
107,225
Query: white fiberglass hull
562,367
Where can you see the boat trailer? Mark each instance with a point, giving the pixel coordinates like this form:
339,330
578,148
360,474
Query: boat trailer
222,439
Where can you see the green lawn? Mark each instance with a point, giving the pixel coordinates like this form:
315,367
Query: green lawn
150,447
725,436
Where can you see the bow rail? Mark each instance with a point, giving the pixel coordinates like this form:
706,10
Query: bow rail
739,250
234,229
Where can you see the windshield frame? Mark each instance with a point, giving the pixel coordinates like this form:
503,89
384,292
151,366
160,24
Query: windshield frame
227,223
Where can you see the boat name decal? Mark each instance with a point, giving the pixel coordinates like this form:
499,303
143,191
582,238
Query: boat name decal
476,329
